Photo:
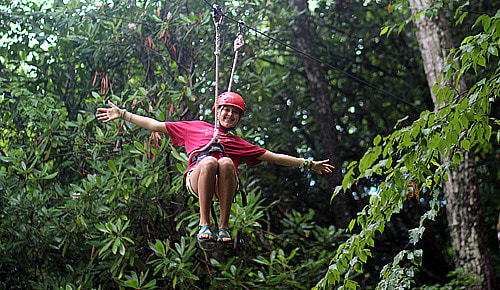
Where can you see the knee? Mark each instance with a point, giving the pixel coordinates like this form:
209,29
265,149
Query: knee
209,164
226,164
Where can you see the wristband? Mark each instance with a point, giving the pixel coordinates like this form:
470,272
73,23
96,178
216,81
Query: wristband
308,163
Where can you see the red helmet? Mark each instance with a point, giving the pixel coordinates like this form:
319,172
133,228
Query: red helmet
230,99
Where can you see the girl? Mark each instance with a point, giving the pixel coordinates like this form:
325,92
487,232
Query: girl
212,167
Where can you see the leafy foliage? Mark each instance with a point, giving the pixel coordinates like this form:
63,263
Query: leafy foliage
87,205
409,159
93,206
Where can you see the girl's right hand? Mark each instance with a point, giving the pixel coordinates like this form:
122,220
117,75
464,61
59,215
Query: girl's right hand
109,114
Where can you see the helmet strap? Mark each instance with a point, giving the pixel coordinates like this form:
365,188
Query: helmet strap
226,129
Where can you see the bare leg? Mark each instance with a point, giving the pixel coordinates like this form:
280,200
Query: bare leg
226,186
203,180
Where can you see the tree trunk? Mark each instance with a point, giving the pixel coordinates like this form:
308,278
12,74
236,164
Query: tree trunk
465,218
318,86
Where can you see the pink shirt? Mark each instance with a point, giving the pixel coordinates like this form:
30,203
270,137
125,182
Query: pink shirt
194,135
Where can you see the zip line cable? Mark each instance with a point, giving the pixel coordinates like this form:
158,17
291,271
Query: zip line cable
356,78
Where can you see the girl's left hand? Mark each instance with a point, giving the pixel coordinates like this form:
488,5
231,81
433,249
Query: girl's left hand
322,166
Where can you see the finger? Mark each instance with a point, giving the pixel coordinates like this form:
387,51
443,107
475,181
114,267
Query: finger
112,105
102,116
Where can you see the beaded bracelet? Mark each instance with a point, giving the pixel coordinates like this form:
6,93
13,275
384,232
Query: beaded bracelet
307,163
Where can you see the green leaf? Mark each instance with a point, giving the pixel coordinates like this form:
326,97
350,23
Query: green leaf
435,88
122,249
128,240
384,30
185,19
493,50
348,180
50,176
152,284
139,147
481,61
101,228
99,132
181,79
116,244
351,224
369,158
106,246
487,133
466,144
112,166
350,284
457,157
461,18
160,248
486,21
338,188
132,283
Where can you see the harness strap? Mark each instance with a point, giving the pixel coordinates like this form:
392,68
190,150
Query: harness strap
217,147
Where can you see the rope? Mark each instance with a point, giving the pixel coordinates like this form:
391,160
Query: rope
217,17
238,44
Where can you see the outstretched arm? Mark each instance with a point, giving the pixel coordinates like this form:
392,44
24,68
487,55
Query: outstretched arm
113,112
287,160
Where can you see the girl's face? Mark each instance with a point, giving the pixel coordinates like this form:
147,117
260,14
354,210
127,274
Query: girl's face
229,116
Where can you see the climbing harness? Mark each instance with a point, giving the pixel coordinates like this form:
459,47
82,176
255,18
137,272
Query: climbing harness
217,147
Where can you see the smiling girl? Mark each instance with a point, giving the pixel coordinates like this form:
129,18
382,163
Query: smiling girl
213,169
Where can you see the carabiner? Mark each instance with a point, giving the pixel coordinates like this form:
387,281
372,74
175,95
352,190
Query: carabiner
217,14
241,24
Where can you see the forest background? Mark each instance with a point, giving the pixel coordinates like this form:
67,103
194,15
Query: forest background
85,205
